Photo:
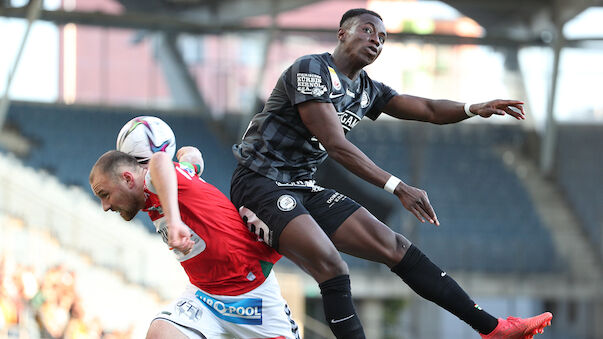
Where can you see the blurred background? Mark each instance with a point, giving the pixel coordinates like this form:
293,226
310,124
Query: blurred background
521,203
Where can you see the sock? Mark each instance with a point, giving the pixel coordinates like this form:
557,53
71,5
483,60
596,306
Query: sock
433,284
339,309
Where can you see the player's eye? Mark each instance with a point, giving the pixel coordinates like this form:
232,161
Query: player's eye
368,30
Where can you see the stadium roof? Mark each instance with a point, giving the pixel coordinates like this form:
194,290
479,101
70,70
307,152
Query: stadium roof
508,22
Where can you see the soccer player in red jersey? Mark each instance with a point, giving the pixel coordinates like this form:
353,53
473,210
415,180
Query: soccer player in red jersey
233,290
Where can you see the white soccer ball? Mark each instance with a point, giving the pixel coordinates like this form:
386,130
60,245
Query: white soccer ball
145,135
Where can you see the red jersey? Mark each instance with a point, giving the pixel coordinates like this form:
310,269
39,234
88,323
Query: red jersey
226,258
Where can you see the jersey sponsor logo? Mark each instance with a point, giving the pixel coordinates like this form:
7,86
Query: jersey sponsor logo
348,120
335,95
198,247
350,93
334,79
310,84
286,203
364,100
245,311
335,198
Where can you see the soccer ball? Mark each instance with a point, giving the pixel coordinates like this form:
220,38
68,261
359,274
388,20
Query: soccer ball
145,135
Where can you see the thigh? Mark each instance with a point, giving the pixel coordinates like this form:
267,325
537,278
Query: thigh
162,328
189,317
364,236
305,243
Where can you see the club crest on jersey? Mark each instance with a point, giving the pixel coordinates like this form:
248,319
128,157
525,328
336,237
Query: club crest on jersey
308,83
286,203
245,311
334,79
364,100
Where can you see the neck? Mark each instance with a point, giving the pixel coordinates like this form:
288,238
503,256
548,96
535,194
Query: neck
345,64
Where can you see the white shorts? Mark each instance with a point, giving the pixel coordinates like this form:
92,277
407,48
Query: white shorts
260,313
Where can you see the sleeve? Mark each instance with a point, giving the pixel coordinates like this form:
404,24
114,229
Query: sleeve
381,95
307,79
182,171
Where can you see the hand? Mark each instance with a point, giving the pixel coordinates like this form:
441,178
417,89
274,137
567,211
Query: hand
415,200
179,237
513,108
191,155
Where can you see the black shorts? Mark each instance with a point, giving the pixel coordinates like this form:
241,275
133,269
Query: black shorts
274,204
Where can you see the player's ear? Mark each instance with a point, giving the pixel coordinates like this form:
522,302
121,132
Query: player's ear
129,179
341,33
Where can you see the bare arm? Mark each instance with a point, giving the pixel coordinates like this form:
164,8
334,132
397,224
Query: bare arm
440,112
164,179
321,119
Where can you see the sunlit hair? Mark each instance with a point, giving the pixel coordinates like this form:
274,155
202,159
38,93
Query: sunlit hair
356,12
109,162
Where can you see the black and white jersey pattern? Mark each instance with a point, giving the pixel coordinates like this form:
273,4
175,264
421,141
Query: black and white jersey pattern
278,145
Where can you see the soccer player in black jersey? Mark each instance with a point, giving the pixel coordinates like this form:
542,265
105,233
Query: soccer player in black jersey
315,102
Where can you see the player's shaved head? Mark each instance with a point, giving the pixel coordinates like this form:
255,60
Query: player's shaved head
353,13
111,162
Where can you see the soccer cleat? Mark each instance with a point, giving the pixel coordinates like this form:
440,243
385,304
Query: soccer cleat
518,328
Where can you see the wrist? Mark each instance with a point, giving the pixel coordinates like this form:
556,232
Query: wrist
391,184
468,110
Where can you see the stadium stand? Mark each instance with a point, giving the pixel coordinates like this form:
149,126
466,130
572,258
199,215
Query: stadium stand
60,231
488,220
578,171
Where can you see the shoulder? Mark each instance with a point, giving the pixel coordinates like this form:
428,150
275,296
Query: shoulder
310,63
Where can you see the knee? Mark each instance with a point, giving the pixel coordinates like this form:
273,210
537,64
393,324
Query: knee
333,265
401,246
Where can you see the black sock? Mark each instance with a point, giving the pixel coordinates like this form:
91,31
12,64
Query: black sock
433,284
339,309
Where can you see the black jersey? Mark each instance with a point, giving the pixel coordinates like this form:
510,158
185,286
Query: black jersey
278,145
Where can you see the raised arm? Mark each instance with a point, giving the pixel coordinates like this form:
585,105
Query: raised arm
322,121
165,182
441,112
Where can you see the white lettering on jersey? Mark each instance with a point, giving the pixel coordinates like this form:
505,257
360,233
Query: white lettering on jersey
348,120
198,247
350,93
308,83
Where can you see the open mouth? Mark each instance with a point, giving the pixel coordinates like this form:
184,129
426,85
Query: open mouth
372,50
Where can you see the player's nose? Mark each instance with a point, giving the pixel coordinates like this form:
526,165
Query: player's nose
106,205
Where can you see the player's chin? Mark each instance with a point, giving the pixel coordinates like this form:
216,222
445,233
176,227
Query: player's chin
128,215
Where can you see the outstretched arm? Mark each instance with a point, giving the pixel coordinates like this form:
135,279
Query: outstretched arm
322,121
164,179
410,107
